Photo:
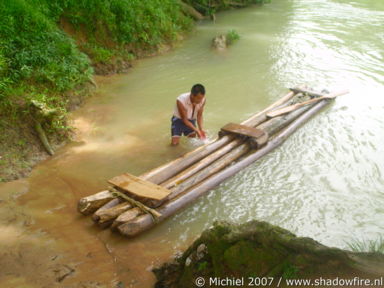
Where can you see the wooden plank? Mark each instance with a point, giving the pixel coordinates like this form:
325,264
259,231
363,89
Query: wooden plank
243,130
139,187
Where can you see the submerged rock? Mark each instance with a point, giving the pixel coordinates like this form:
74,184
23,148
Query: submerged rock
219,42
259,249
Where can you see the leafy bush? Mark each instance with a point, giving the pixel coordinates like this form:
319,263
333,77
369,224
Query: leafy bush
35,51
232,37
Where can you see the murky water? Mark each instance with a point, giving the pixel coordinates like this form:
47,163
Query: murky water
325,182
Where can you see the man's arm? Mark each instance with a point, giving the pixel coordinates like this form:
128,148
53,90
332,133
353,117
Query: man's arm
200,117
183,114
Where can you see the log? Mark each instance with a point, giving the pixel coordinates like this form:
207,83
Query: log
179,178
144,222
108,215
206,172
90,204
126,217
108,205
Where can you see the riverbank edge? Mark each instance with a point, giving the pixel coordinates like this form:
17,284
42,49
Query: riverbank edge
259,251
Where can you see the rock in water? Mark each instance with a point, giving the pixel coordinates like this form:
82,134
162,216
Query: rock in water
219,42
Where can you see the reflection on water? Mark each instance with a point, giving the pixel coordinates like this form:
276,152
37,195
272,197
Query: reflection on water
324,182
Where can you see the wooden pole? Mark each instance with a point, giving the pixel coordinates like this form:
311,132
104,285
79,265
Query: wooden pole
144,222
288,109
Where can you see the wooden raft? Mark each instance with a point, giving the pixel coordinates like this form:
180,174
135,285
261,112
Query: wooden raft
167,189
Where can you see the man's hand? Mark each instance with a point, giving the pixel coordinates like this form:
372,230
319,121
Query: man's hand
201,134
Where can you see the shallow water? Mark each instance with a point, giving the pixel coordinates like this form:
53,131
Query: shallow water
325,182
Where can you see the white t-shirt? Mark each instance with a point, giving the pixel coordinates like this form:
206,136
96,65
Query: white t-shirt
186,101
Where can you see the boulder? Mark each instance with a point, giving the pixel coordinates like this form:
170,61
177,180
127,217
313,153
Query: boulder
259,249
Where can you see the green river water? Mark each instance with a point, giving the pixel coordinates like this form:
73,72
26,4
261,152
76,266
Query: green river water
325,182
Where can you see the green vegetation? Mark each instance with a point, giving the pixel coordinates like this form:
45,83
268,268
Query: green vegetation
367,245
289,271
50,50
37,55
232,36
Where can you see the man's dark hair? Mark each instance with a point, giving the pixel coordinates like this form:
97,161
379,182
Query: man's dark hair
197,89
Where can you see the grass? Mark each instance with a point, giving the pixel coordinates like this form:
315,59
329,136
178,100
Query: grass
359,245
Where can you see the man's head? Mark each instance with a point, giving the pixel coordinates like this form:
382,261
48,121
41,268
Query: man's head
197,93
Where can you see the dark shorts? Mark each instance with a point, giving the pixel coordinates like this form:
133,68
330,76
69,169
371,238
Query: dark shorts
178,127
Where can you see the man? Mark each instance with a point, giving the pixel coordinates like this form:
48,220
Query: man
189,107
